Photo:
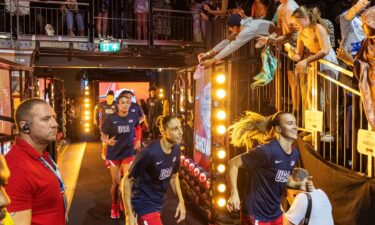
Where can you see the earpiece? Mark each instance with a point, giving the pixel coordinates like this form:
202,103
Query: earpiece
26,128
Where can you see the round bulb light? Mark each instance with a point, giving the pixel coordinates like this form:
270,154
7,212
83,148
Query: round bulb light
221,153
221,93
221,129
221,114
220,78
221,168
221,188
221,202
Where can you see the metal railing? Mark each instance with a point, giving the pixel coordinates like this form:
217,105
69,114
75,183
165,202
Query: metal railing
340,103
94,20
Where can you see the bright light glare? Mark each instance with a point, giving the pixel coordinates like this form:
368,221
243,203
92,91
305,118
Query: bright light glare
221,114
221,129
87,118
221,168
87,105
87,113
221,93
86,87
220,78
161,90
221,202
87,130
87,125
221,153
221,188
86,92
87,100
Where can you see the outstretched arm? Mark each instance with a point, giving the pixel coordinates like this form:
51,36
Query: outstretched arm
234,200
180,211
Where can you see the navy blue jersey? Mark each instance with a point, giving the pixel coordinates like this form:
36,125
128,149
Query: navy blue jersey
105,110
152,170
136,108
270,168
122,128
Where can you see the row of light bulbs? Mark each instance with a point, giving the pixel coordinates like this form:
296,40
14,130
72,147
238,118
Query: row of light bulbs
87,112
220,117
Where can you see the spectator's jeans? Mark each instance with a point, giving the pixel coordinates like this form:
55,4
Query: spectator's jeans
70,20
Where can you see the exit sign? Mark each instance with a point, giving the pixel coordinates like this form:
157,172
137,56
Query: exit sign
109,46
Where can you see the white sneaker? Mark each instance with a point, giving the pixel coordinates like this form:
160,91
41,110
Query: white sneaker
327,138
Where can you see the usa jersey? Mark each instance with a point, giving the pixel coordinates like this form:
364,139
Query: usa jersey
270,168
136,108
152,170
122,128
105,110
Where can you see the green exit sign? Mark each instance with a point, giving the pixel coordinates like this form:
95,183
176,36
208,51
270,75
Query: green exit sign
109,46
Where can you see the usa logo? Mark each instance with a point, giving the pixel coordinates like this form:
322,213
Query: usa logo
130,121
292,163
133,110
174,158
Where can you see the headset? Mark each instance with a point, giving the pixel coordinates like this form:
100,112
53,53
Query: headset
26,128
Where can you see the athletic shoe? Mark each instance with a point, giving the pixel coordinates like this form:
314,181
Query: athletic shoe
115,214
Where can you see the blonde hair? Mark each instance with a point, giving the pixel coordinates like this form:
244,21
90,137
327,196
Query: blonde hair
254,128
313,15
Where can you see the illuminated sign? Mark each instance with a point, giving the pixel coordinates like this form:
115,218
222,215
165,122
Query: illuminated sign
109,46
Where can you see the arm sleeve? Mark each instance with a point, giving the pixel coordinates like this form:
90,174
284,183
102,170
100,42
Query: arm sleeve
20,191
139,164
255,158
297,211
221,45
248,33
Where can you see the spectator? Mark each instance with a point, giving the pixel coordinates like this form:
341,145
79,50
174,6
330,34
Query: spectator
321,209
270,165
102,18
313,35
352,33
285,32
162,20
263,9
226,6
36,188
71,11
364,64
141,9
242,31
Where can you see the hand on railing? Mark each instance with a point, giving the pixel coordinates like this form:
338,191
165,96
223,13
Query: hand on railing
207,63
301,66
262,41
345,56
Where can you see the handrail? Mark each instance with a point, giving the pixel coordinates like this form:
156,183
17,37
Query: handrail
336,67
173,11
60,3
338,83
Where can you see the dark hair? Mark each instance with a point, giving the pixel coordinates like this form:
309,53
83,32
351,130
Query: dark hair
274,120
153,88
163,121
298,175
270,9
23,111
124,92
110,92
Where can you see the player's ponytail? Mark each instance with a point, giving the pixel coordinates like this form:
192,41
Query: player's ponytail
254,128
